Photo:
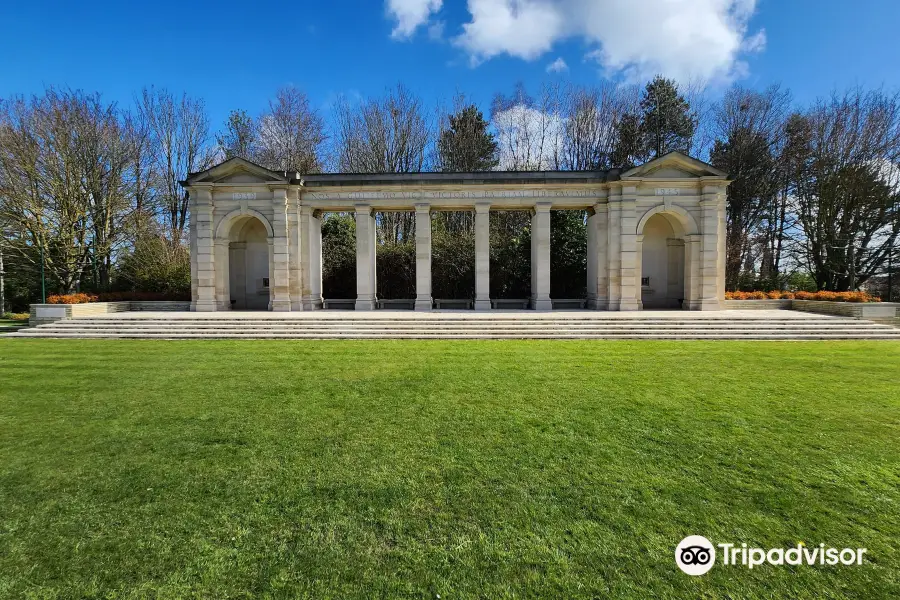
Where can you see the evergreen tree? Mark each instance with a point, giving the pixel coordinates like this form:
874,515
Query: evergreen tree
466,144
665,123
666,120
239,137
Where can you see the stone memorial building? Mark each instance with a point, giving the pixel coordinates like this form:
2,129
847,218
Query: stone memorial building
655,233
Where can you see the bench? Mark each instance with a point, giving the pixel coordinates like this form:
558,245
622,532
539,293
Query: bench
510,303
397,304
571,303
457,303
339,304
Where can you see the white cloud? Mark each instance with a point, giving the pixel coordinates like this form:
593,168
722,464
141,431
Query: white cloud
528,139
410,14
684,39
436,31
558,66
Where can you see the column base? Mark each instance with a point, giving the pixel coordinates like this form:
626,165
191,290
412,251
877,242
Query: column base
310,303
709,305
597,304
203,306
482,305
424,303
365,304
628,305
281,306
541,304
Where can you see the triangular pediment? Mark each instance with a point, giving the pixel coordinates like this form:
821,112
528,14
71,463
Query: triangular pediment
674,165
238,171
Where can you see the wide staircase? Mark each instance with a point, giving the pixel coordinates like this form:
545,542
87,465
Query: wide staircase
772,325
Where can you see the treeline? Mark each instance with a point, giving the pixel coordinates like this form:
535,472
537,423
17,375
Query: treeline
89,189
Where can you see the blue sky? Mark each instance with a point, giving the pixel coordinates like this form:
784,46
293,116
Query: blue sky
236,54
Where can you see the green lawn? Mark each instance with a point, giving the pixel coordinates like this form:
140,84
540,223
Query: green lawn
149,469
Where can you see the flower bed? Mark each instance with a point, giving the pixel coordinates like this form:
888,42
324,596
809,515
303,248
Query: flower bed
82,298
858,297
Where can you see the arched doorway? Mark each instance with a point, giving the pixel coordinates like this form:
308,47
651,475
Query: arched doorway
248,265
663,263
244,262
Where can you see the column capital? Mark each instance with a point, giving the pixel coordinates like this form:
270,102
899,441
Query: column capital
363,208
423,207
482,207
601,208
200,197
542,207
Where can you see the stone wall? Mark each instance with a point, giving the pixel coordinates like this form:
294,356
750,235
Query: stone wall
758,304
50,313
886,312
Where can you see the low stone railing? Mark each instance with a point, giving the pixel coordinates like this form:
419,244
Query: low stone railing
50,313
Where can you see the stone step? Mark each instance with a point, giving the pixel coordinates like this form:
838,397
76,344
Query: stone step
470,328
499,336
428,323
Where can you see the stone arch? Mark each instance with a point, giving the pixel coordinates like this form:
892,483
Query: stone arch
244,266
682,216
224,227
663,279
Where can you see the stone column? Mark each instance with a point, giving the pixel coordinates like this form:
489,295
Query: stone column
628,256
540,257
709,249
639,270
204,299
297,256
423,256
365,258
482,256
271,255
613,248
314,237
223,285
279,275
311,263
592,266
601,216
692,272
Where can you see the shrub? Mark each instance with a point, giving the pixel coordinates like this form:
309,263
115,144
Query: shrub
12,316
821,296
117,297
71,298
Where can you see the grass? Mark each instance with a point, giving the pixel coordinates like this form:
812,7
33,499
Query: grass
146,469
13,319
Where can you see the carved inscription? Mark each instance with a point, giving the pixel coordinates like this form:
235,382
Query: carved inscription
462,195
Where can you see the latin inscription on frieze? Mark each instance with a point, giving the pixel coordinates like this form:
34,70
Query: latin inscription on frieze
462,195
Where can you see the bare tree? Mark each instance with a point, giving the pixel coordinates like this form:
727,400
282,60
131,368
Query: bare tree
749,130
848,188
529,131
63,184
383,135
290,134
592,117
179,143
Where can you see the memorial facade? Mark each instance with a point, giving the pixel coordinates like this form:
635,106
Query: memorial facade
655,233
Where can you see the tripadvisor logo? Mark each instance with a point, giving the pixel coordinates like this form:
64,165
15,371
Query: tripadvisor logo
696,555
